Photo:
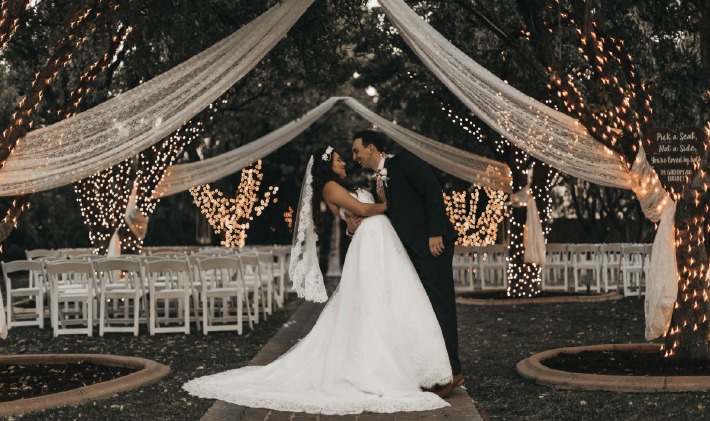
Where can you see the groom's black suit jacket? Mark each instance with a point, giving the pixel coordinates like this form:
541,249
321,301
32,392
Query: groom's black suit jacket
415,204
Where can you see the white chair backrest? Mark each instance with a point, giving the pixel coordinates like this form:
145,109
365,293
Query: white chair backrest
22,266
494,253
68,267
586,252
75,252
33,254
126,265
556,252
219,271
250,265
633,255
120,271
177,272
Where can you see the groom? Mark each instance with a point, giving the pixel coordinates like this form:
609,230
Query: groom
415,206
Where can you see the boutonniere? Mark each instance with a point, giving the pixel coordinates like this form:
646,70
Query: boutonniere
381,175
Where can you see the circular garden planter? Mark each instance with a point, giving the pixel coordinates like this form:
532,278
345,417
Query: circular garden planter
148,372
582,298
531,368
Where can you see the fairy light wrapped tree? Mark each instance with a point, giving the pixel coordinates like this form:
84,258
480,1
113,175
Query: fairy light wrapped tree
232,217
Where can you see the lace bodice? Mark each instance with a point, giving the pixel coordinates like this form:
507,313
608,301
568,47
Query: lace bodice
361,195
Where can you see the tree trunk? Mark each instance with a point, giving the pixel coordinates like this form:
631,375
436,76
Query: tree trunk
524,279
687,339
705,44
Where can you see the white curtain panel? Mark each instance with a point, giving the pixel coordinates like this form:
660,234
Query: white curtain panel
459,163
121,127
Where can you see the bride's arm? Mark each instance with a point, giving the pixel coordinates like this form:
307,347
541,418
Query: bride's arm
336,194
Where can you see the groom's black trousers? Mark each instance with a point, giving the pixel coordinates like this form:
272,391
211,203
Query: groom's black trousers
437,276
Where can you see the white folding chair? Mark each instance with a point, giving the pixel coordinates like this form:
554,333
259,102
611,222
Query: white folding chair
268,277
254,283
493,267
72,291
555,270
632,269
586,264
281,256
223,295
74,252
37,253
34,271
463,266
121,285
611,266
169,282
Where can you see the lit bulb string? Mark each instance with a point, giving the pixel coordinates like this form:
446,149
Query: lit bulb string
231,217
21,122
615,74
524,279
690,320
108,191
21,119
153,165
103,196
474,230
288,218
12,11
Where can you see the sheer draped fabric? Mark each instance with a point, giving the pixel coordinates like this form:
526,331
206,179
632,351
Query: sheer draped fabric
551,136
457,162
121,127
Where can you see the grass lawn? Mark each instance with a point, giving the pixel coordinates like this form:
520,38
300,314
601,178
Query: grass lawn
493,339
188,356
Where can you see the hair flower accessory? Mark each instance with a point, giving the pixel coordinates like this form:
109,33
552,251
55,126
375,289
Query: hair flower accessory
326,155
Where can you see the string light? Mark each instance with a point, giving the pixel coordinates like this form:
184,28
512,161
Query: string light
231,217
21,120
288,218
474,230
12,10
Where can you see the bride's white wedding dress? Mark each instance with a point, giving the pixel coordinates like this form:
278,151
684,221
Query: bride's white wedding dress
376,343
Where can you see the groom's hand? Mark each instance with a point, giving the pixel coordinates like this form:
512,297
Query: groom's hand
436,245
353,222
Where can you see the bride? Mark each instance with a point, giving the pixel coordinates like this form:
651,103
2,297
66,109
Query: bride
376,343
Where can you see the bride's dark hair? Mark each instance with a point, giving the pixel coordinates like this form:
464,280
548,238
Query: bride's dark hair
322,173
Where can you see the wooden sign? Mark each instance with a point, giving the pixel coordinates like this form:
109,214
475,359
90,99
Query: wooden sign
675,155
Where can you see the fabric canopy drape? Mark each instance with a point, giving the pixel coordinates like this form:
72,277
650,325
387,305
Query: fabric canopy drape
459,163
552,137
121,127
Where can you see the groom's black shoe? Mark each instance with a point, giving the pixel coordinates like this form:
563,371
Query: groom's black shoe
445,390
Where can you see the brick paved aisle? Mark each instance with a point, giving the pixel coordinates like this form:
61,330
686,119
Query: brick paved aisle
298,326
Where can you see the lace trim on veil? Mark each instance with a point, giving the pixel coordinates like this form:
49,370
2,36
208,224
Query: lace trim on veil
304,269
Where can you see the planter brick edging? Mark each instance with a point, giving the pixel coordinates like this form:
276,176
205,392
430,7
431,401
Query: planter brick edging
532,369
150,372
612,296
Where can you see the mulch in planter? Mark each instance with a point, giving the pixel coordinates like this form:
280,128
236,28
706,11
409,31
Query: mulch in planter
29,381
623,363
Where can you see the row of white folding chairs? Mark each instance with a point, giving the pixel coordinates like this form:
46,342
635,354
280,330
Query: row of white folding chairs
481,267
280,254
611,267
76,284
592,267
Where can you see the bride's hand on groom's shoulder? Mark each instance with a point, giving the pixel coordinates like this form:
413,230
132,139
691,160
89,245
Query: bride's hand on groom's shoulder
353,222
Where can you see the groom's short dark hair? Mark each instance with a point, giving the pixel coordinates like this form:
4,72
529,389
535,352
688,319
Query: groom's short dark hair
371,137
